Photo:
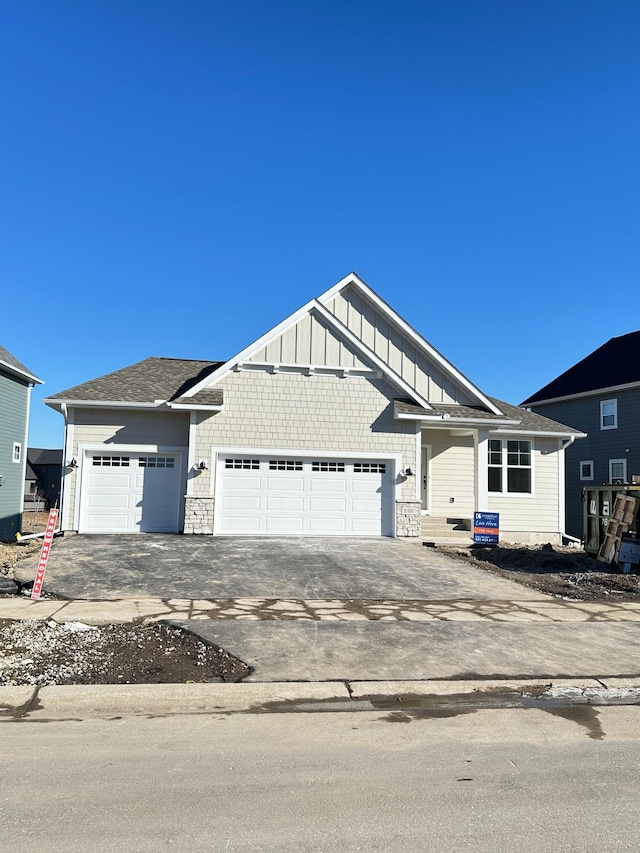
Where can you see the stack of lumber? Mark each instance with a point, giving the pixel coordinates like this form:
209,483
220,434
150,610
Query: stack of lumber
624,515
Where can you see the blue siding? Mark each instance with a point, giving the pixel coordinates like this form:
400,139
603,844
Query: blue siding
600,445
14,398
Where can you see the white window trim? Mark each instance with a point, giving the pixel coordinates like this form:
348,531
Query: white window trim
603,403
504,493
586,462
613,462
17,445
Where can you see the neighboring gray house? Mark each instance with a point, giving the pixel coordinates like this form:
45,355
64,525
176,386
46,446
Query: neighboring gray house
16,382
340,421
46,465
600,396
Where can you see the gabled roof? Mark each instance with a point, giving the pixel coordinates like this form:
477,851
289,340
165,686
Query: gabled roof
42,456
10,362
414,336
317,307
515,418
29,473
615,363
146,382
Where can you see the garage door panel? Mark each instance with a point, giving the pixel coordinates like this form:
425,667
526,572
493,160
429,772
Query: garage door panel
366,486
328,484
285,484
115,480
241,483
240,503
239,524
334,525
328,504
363,505
109,501
279,503
284,524
97,522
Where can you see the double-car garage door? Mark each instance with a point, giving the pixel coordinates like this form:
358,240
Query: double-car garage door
314,496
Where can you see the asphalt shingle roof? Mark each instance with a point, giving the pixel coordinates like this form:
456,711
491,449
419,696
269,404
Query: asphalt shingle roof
615,363
42,456
12,362
144,382
527,421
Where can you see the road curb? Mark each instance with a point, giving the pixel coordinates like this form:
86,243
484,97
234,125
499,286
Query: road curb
104,700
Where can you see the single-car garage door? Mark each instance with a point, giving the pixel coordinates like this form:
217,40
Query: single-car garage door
314,496
130,493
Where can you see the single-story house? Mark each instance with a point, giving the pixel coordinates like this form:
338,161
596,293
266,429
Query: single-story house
16,382
341,420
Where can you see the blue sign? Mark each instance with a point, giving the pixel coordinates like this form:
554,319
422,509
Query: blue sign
486,527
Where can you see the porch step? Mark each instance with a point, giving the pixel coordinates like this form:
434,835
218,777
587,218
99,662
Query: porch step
446,531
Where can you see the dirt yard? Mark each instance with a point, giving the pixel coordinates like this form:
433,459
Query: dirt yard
44,653
558,570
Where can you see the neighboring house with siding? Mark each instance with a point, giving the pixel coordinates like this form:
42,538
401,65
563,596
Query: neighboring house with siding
16,382
342,420
600,396
46,465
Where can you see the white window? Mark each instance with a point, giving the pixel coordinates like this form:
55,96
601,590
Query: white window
157,462
111,461
608,414
242,464
509,466
586,470
617,470
285,465
17,451
369,468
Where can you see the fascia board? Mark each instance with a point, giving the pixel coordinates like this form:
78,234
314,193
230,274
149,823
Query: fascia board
393,317
23,374
540,432
369,354
434,420
596,392
200,407
266,339
102,404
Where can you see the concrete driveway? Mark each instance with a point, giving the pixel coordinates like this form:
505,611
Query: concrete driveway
169,566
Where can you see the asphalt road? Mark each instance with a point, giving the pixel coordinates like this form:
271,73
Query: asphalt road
519,780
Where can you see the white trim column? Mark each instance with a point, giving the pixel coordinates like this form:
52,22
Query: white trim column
482,470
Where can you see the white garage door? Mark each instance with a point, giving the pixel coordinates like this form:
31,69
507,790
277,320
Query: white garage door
130,493
277,495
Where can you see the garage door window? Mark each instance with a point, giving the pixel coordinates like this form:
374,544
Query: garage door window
369,468
337,467
111,461
157,461
285,465
242,464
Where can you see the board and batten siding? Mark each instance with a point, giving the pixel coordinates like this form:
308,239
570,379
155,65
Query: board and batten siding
395,349
319,412
598,447
452,473
310,341
14,403
533,518
114,427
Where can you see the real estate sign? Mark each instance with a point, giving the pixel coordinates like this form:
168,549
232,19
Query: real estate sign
486,527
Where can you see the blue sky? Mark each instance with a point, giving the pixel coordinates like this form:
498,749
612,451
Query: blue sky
177,177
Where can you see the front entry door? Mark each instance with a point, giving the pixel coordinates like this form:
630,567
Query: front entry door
425,474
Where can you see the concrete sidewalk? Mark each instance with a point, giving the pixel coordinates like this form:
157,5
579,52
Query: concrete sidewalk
521,610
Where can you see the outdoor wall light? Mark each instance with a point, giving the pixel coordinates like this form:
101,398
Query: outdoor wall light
408,472
201,465
73,463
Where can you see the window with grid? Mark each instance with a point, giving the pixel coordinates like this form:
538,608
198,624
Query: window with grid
617,470
242,464
285,465
157,462
336,467
586,470
512,457
111,461
369,468
17,452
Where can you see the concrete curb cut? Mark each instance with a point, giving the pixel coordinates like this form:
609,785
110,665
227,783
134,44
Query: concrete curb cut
104,700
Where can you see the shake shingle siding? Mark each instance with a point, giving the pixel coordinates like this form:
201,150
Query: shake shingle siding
14,398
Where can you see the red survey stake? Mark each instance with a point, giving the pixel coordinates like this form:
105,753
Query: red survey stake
44,554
